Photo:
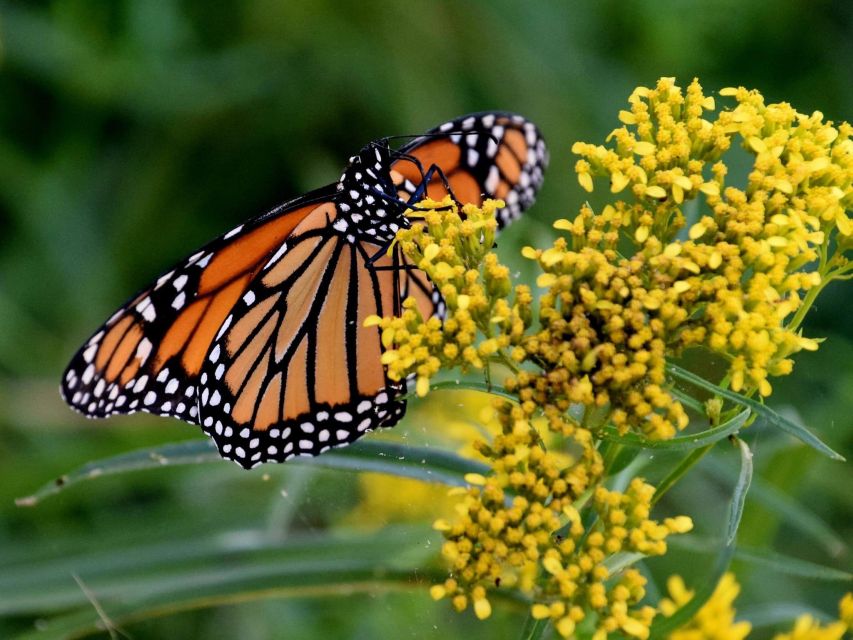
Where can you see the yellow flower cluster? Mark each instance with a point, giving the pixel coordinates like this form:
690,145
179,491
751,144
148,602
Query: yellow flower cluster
736,280
716,619
453,249
605,328
743,278
521,527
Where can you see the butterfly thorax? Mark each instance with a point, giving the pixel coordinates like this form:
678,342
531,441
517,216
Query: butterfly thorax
369,206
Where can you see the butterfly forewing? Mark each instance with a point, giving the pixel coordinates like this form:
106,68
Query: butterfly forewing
295,371
148,355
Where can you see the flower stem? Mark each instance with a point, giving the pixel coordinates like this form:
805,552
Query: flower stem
680,471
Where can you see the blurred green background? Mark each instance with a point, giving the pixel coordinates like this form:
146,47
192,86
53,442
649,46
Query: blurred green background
132,132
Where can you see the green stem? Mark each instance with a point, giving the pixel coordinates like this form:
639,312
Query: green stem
827,276
676,474
808,301
534,629
610,454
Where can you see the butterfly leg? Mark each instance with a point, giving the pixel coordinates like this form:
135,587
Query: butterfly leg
432,172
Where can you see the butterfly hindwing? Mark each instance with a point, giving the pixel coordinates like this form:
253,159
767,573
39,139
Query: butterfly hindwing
294,370
482,155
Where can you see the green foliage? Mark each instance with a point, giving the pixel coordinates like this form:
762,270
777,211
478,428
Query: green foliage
132,132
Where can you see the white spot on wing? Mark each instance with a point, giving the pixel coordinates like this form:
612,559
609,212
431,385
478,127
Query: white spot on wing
276,256
140,384
491,148
90,352
233,232
492,179
143,350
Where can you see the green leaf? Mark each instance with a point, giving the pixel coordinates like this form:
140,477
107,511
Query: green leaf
535,629
779,613
420,463
754,556
686,463
739,495
688,401
681,443
469,385
622,560
780,563
226,569
663,627
211,564
775,419
796,515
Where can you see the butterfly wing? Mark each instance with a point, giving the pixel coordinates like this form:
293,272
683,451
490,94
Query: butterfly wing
149,354
294,371
483,155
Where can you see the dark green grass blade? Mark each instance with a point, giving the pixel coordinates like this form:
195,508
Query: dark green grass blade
420,463
143,582
755,556
775,419
663,627
685,442
797,516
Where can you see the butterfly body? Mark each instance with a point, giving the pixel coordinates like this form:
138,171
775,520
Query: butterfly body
259,336
369,207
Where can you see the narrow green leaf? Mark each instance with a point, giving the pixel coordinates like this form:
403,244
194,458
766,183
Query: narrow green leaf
775,419
85,622
681,443
779,613
687,463
793,566
420,463
779,563
796,515
663,627
135,582
213,564
622,560
688,401
535,629
739,495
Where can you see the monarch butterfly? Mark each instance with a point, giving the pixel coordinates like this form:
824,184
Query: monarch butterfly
259,336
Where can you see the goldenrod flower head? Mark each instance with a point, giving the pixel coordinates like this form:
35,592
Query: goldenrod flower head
518,525
807,628
739,283
716,618
735,279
